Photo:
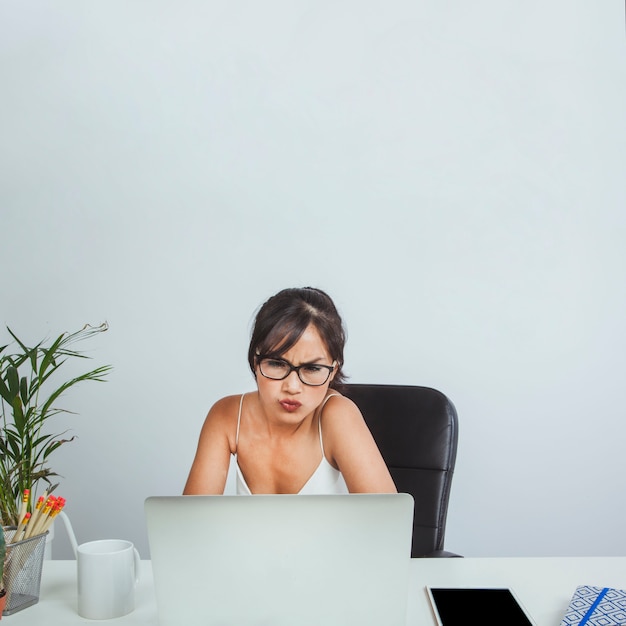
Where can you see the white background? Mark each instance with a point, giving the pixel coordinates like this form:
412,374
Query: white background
452,173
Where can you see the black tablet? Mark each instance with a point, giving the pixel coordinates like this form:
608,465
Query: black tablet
485,606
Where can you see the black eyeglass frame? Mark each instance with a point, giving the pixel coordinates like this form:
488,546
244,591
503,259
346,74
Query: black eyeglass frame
293,368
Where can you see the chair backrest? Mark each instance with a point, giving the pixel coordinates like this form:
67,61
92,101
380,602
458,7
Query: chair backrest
416,430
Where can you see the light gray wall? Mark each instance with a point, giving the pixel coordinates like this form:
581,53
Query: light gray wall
451,172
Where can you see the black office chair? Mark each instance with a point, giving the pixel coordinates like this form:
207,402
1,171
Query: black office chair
416,430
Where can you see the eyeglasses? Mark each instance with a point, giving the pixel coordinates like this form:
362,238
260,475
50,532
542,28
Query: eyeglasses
312,374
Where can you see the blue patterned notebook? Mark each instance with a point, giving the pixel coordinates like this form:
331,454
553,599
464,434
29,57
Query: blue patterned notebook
596,606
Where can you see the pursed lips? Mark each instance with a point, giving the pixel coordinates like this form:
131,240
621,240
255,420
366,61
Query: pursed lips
290,405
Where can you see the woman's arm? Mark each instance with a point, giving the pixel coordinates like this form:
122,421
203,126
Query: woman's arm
349,445
210,465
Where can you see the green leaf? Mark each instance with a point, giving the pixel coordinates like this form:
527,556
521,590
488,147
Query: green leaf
13,381
49,355
24,390
96,375
18,413
26,443
4,391
21,345
57,444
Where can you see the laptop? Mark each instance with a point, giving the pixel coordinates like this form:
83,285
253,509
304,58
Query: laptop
281,560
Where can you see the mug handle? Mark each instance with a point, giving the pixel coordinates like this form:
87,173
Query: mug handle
137,564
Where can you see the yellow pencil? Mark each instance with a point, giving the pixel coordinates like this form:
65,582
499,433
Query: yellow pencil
25,498
20,528
56,509
35,516
42,517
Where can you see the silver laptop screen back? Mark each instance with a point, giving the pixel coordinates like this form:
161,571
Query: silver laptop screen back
281,559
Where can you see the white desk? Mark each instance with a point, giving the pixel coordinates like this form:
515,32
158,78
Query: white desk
544,586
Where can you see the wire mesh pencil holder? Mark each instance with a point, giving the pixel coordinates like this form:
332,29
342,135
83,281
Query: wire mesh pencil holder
22,570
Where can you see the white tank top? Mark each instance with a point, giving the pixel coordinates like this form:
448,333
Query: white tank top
324,480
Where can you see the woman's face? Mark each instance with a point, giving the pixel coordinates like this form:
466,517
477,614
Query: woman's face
290,399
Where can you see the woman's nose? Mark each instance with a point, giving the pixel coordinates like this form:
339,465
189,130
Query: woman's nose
292,382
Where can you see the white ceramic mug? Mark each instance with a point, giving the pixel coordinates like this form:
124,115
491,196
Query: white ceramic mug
108,571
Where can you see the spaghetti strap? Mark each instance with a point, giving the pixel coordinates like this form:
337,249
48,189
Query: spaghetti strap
326,479
238,422
319,420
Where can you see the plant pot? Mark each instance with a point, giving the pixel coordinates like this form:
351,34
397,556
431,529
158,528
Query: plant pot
3,601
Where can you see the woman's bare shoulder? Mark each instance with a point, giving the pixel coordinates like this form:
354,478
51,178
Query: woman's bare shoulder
217,441
224,406
349,446
341,418
340,406
222,417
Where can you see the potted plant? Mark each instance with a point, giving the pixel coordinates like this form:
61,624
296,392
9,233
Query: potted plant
3,591
30,388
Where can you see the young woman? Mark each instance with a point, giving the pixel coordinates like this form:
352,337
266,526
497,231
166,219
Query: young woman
296,433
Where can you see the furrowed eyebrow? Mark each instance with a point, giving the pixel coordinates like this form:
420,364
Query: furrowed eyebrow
313,362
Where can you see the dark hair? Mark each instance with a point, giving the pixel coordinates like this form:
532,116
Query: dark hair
283,318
